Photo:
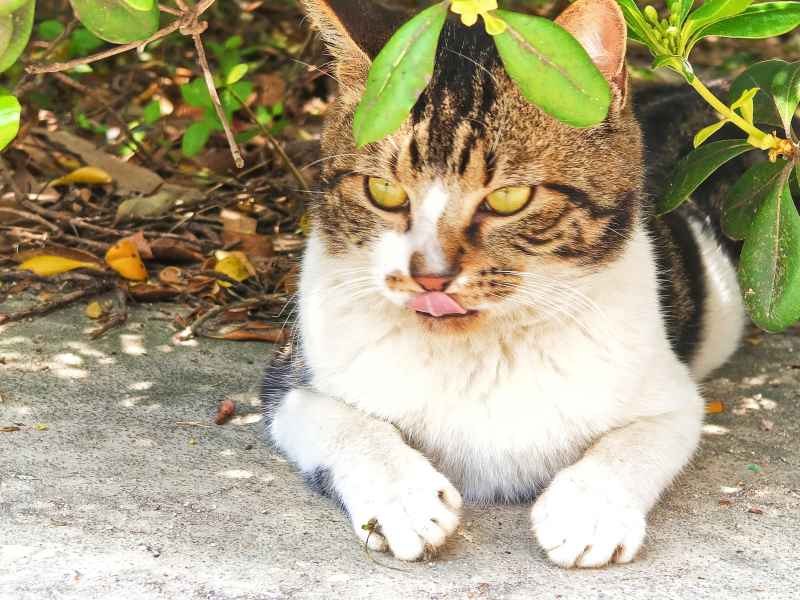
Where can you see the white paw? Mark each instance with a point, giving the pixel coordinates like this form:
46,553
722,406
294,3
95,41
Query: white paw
407,507
584,523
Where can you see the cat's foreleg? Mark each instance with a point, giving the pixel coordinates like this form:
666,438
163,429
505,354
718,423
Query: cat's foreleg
594,512
394,497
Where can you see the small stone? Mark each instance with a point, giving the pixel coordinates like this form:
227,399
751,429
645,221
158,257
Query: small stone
755,510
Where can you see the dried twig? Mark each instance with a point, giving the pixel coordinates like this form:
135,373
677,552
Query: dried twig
195,329
119,317
61,302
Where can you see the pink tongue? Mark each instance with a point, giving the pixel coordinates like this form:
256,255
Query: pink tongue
437,304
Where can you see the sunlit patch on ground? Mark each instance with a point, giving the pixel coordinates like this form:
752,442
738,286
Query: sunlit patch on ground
132,344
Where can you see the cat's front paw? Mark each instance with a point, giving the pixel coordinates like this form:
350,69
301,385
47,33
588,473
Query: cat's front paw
410,511
584,523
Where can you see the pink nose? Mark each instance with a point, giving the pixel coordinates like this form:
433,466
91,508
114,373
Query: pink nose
433,283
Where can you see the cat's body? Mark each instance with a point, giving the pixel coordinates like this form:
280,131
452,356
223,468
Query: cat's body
577,328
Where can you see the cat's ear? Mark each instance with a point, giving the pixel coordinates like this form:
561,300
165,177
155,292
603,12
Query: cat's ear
599,26
354,30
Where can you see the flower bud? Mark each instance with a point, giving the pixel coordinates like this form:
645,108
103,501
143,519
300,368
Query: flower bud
651,13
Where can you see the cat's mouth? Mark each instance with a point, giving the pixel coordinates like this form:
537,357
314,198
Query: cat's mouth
438,305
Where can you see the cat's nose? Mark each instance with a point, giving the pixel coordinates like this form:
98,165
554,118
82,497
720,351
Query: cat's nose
433,283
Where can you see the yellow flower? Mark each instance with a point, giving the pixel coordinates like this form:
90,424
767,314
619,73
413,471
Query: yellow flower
471,9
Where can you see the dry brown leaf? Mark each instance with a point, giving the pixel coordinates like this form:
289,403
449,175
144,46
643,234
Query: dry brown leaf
9,429
236,222
225,411
142,245
253,331
124,258
171,276
129,177
174,251
152,293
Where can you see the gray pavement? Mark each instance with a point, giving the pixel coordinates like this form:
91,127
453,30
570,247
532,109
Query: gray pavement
124,495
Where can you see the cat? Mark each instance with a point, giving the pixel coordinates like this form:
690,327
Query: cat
490,312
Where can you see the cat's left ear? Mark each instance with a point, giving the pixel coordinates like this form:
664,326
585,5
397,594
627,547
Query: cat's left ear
599,26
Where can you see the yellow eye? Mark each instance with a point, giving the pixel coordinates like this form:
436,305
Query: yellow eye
509,200
385,194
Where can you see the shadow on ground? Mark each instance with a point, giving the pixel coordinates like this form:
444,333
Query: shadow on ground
117,485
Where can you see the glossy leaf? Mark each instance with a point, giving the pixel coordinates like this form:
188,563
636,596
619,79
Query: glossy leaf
141,4
118,21
15,31
50,30
10,112
747,195
707,132
685,9
698,166
553,70
780,96
712,11
638,27
399,75
764,20
769,268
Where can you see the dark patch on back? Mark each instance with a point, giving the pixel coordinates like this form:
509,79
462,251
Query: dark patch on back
681,279
287,371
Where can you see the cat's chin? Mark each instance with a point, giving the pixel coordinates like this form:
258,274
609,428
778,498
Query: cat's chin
450,324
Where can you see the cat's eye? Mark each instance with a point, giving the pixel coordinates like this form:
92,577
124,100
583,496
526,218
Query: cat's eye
386,194
508,200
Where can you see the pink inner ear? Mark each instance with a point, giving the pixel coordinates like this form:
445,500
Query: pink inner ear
600,28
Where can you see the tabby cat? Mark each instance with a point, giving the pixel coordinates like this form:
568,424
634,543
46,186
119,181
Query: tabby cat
488,310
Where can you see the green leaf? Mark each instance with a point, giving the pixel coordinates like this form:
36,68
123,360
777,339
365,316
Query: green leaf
117,21
637,24
142,5
50,30
780,85
767,19
152,112
236,74
195,138
696,167
707,132
9,6
83,42
15,31
769,268
195,94
686,8
747,195
399,75
553,70
712,11
10,112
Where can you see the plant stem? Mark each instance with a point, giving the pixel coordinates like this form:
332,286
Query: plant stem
754,132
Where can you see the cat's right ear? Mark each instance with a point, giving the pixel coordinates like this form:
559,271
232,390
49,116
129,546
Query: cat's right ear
355,31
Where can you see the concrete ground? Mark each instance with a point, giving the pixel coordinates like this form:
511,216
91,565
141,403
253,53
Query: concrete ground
117,486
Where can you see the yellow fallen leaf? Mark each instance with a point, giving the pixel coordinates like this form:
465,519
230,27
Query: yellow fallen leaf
94,310
41,427
714,407
124,258
84,175
47,265
233,264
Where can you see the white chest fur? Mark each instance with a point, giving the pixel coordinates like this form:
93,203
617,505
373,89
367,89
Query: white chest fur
500,412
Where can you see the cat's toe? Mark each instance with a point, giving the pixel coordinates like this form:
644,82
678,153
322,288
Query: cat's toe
579,524
412,522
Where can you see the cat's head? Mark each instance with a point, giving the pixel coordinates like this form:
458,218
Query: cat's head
480,206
